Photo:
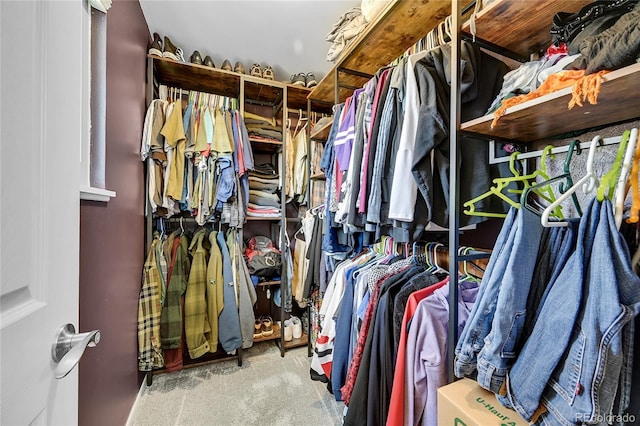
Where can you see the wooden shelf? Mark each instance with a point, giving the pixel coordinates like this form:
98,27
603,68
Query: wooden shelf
268,283
295,343
397,27
227,83
297,97
276,335
319,176
265,219
265,146
322,134
528,23
263,92
549,115
196,77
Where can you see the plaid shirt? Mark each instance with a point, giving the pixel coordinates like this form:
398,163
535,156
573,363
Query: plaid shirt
195,303
171,319
149,311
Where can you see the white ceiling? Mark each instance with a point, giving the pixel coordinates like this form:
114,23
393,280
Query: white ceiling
288,35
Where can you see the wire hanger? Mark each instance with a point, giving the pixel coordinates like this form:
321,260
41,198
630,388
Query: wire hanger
588,183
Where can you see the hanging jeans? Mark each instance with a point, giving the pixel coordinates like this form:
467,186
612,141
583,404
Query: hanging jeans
499,350
571,365
479,323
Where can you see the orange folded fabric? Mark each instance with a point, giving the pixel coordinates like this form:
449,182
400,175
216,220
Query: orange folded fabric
585,88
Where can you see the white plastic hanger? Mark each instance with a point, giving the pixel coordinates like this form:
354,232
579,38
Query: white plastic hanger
621,188
588,183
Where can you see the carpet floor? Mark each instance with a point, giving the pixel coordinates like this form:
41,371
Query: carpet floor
267,390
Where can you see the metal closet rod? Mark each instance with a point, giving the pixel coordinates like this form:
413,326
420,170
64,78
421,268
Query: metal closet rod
535,154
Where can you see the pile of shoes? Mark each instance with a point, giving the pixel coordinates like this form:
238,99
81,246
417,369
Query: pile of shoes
170,51
166,50
304,80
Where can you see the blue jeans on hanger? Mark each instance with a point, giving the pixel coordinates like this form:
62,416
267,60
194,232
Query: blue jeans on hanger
572,369
479,323
501,343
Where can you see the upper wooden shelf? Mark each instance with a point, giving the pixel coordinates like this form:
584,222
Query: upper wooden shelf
322,134
521,26
549,115
403,22
227,83
397,27
196,77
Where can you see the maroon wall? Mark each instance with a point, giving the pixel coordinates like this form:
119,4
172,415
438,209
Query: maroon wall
112,234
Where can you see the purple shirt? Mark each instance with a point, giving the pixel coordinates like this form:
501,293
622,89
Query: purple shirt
426,355
343,143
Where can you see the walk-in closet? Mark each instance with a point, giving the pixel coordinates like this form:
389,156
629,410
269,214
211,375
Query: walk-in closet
349,212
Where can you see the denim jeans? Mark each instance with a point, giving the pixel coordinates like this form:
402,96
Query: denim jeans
500,345
225,174
479,323
572,369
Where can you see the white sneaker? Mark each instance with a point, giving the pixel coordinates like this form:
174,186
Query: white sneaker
297,327
288,330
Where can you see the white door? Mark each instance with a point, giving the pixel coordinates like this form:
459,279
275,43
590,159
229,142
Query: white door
42,61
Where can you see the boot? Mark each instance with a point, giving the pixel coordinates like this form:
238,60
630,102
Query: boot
156,46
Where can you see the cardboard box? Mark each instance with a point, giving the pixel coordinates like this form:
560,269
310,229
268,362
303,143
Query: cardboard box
465,403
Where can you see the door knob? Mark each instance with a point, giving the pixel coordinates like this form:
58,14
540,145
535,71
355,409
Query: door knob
69,347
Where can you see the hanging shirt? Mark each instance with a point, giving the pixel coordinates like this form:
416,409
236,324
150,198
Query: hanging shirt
221,141
343,143
404,189
397,402
214,293
426,352
149,311
195,303
173,131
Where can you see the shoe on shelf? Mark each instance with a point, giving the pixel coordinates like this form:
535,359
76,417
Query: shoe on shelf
226,65
256,70
311,80
299,80
196,58
239,68
288,330
267,326
267,73
257,329
297,327
171,51
156,45
208,62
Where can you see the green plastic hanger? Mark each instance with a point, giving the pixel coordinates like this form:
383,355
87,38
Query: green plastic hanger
500,184
565,180
608,181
